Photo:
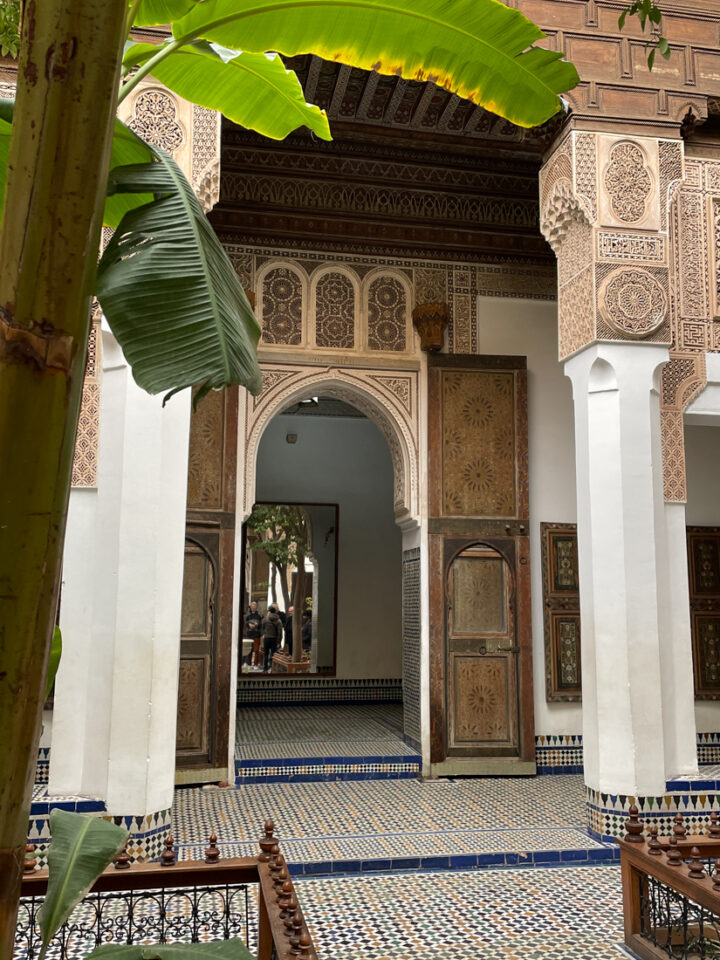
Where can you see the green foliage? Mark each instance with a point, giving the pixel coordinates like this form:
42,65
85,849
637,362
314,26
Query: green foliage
169,291
154,12
6,113
216,950
9,28
647,11
54,662
80,850
127,148
252,89
478,49
283,530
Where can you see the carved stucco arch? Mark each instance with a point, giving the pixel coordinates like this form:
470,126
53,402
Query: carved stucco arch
388,398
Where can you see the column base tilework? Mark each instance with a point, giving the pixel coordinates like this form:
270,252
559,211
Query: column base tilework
321,769
559,753
147,832
694,797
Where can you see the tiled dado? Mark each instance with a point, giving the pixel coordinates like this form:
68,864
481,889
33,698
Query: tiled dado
325,769
42,767
147,833
695,797
559,753
309,690
708,747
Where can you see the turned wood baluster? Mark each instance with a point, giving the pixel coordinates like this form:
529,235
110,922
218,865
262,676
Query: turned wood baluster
281,877
714,826
654,845
305,942
695,868
290,910
716,876
284,898
168,855
674,857
212,854
297,924
122,860
633,826
268,842
30,860
679,830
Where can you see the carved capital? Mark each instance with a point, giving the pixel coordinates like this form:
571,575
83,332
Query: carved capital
431,320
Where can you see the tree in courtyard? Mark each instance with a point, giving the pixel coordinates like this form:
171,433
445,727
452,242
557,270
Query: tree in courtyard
165,286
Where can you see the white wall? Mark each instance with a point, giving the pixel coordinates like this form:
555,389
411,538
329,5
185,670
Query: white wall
529,328
346,461
702,462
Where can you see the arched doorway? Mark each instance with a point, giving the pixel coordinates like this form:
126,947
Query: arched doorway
338,714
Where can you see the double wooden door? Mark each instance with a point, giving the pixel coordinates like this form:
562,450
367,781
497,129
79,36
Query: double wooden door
480,629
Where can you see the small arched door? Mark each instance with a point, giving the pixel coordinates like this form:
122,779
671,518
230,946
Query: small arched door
482,663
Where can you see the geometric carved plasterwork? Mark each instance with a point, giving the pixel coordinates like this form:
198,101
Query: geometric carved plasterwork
281,306
628,182
403,283
154,118
87,437
388,397
633,302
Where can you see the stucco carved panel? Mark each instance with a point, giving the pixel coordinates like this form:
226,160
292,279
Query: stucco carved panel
633,302
387,397
629,182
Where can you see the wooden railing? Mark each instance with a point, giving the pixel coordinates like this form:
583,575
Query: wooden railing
179,900
671,891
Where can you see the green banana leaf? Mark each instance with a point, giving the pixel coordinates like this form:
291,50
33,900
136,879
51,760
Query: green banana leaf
169,291
54,662
6,114
127,148
81,848
159,12
479,49
215,950
252,89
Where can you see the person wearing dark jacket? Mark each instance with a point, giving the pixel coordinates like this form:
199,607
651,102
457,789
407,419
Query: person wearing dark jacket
253,631
288,631
272,631
307,630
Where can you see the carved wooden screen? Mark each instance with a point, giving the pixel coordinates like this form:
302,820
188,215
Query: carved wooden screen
481,660
704,570
206,647
561,600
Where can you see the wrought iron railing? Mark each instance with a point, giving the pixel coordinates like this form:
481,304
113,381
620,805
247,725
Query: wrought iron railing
251,898
671,891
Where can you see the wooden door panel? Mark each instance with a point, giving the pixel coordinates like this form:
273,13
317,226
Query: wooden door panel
480,630
193,700
704,572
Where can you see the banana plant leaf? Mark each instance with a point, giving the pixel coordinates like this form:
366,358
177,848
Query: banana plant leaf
6,114
155,12
127,148
169,291
81,848
54,662
215,950
479,49
252,89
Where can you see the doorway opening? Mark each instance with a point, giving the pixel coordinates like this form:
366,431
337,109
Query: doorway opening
331,706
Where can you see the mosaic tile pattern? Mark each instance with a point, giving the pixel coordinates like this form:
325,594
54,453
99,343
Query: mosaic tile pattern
492,915
559,753
42,767
411,643
708,747
351,742
692,797
325,690
345,827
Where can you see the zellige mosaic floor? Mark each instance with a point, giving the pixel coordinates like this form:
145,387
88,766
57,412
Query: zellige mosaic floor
565,914
345,827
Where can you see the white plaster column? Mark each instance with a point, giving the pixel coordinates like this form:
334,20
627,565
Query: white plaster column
116,689
637,680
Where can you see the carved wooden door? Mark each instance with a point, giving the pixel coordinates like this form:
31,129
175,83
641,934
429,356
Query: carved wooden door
206,645
704,570
481,713
482,654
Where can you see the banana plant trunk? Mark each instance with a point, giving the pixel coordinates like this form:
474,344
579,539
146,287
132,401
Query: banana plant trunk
68,77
